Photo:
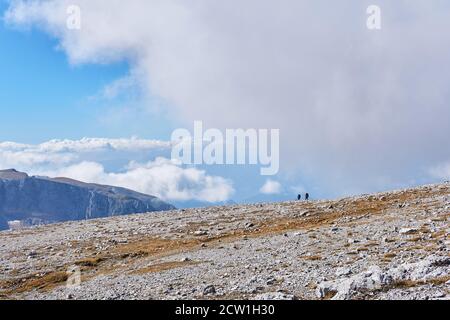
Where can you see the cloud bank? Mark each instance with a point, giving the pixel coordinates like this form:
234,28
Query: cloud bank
271,187
358,109
86,159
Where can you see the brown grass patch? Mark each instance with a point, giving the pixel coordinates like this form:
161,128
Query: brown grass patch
371,244
438,235
312,258
413,283
45,282
431,248
424,230
330,295
405,284
165,266
89,262
158,247
440,219
415,248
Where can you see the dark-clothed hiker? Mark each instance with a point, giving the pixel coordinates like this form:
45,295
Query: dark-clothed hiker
307,196
299,197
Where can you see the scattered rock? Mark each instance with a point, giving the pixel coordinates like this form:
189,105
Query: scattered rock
249,225
408,230
342,289
272,296
343,271
374,278
209,290
305,213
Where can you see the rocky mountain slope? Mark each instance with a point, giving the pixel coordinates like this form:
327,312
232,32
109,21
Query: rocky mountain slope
393,245
41,200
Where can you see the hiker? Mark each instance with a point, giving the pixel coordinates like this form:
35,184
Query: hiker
299,197
307,196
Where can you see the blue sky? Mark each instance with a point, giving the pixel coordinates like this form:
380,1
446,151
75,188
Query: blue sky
44,97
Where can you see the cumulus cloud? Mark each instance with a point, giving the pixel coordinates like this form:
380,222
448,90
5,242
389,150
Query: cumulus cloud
86,159
87,144
63,152
162,178
357,109
271,187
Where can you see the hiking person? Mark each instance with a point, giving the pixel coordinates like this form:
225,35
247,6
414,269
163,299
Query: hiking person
307,196
299,197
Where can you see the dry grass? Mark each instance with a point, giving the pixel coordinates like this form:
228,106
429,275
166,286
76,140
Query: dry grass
371,244
89,262
45,282
413,283
312,258
165,266
438,235
329,295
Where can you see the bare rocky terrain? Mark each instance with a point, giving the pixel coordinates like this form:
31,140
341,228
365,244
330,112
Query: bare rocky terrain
393,245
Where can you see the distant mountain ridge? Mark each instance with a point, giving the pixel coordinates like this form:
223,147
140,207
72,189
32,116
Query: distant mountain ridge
42,200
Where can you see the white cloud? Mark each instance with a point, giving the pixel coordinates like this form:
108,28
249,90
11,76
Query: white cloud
162,178
441,171
86,144
63,152
114,89
85,160
92,144
271,187
356,108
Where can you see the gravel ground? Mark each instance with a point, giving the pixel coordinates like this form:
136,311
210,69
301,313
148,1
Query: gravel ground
393,245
